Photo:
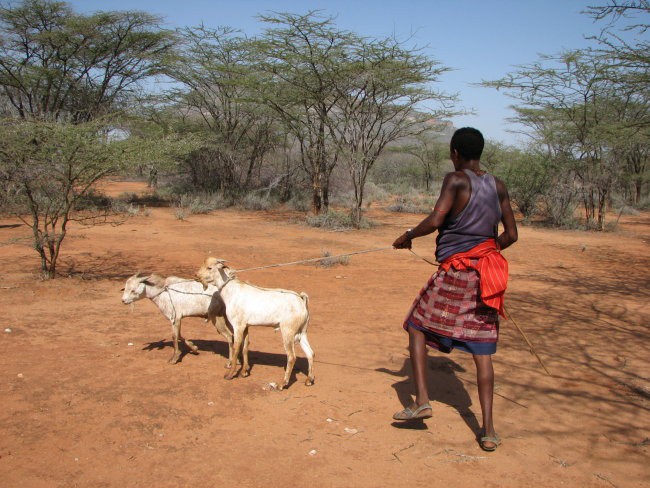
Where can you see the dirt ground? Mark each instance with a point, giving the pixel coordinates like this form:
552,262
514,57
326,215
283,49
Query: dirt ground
87,398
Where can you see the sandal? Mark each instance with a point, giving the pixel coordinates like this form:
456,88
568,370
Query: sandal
495,439
410,414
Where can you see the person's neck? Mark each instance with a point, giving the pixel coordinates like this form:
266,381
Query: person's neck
473,164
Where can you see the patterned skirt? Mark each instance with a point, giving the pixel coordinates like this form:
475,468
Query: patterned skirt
451,314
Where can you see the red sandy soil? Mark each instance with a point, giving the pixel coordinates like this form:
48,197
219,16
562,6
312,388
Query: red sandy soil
89,400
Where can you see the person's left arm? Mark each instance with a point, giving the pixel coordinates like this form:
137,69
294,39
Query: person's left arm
509,235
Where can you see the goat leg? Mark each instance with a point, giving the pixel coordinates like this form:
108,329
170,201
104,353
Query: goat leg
309,353
291,361
246,368
236,347
176,333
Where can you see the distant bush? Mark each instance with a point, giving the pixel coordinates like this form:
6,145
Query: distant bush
156,199
92,200
644,204
130,209
627,210
413,204
336,220
255,201
332,260
374,193
301,203
180,213
202,203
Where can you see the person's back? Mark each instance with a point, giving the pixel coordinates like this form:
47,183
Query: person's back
477,222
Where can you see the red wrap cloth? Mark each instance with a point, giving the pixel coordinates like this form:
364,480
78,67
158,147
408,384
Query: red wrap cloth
492,268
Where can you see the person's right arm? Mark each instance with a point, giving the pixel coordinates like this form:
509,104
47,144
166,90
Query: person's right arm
436,218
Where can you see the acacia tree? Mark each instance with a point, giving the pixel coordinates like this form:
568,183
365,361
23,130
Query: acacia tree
591,108
543,172
632,57
303,55
60,65
578,97
217,69
48,170
380,99
429,152
61,74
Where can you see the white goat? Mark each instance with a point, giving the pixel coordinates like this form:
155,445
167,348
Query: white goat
177,298
247,305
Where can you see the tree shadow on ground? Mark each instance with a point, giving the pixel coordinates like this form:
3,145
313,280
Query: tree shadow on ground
444,387
221,348
110,265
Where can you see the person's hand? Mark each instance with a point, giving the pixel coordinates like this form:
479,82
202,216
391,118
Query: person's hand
402,242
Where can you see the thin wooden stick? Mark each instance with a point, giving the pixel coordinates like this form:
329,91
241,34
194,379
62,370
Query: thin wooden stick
523,334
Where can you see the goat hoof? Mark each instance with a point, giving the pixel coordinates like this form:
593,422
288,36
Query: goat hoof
229,376
245,373
309,382
173,360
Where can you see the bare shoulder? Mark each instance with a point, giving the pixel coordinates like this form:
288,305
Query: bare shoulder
501,187
456,179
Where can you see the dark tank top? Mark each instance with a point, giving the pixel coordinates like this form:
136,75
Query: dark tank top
477,222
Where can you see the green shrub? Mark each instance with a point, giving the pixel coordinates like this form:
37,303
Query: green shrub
255,201
301,203
92,200
417,203
202,203
374,193
332,260
180,213
130,209
336,220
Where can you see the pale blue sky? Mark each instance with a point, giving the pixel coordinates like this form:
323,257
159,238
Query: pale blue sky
481,40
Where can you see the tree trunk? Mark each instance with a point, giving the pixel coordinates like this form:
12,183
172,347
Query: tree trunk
356,215
602,200
326,196
317,191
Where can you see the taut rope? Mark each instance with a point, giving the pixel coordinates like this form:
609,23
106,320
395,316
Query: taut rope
313,260
365,251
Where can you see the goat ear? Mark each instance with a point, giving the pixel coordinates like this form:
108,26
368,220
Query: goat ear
147,280
144,278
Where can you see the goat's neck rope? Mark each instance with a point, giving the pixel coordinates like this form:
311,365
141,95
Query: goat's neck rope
163,290
227,280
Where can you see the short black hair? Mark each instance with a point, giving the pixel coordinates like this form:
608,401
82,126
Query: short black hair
468,142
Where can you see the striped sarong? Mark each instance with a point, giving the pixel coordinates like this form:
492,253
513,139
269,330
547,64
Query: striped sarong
451,314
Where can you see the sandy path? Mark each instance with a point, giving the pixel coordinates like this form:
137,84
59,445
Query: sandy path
82,407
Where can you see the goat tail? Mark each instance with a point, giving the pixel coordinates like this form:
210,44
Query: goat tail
303,328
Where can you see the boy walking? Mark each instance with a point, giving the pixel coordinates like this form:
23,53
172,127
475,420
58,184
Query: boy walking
459,307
